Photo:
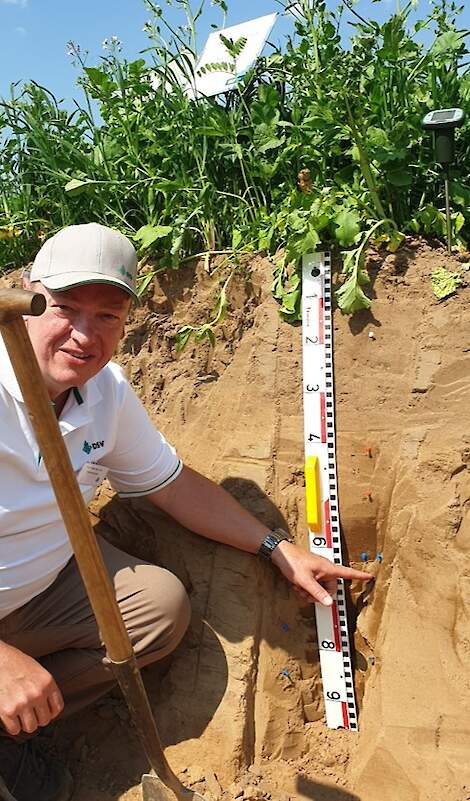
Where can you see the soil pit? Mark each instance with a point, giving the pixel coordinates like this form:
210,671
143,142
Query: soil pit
235,727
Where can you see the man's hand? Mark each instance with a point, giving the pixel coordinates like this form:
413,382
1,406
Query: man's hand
209,510
314,578
29,696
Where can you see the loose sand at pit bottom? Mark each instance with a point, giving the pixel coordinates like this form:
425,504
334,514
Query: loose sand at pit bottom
230,720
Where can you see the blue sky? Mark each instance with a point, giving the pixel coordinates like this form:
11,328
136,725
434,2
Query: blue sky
34,33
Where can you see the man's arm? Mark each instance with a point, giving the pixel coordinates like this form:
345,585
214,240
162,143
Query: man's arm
207,509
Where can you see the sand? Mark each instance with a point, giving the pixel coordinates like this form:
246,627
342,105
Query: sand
233,725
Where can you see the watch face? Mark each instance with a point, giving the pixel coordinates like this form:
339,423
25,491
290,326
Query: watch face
270,542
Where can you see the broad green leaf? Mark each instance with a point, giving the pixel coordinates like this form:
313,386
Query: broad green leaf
205,332
182,336
448,43
149,234
290,308
444,282
97,77
355,153
100,85
98,156
317,123
433,220
400,177
270,144
297,221
268,95
236,238
291,300
309,242
460,194
381,148
77,186
348,225
378,137
351,298
419,25
320,222
136,68
459,222
395,240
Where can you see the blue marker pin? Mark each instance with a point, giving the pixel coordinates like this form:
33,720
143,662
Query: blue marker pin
284,672
364,557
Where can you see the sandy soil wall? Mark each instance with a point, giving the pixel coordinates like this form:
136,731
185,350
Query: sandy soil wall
403,451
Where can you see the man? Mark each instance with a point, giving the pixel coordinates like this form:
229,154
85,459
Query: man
51,655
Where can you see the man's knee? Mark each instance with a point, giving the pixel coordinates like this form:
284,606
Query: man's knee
163,615
177,609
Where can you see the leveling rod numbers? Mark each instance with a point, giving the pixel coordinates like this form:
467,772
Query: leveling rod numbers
321,486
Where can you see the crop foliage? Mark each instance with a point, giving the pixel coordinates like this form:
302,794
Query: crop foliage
319,145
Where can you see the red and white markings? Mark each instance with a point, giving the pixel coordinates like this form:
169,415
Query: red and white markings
319,428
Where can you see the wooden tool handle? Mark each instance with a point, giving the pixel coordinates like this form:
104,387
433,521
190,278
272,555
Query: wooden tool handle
15,302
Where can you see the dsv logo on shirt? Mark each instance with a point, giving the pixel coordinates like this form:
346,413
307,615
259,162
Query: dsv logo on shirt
88,448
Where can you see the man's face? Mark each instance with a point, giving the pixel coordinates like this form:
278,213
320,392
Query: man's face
77,334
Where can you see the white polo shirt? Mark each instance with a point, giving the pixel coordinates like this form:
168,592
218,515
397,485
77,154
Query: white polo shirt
102,422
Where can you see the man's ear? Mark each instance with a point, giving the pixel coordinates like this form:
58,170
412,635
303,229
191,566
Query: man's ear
31,286
25,279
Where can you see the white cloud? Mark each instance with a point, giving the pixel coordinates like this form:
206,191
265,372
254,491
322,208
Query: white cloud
20,3
21,31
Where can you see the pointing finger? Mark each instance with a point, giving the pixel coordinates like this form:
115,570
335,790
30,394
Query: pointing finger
350,573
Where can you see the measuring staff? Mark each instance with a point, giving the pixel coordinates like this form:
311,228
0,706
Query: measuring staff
321,486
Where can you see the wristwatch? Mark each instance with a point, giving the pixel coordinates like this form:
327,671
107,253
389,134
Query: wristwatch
271,541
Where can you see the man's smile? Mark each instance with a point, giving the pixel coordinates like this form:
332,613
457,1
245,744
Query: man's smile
76,357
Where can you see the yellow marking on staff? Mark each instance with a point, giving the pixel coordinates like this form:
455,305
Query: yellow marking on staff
313,493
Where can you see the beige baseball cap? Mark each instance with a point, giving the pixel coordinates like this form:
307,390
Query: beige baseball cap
86,254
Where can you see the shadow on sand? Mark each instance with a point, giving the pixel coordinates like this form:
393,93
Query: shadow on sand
322,792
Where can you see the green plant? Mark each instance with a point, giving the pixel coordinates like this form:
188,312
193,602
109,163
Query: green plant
206,330
445,283
318,145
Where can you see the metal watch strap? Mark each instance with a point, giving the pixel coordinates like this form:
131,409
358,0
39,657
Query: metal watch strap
271,541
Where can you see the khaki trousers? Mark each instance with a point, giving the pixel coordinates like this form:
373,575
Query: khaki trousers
58,629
